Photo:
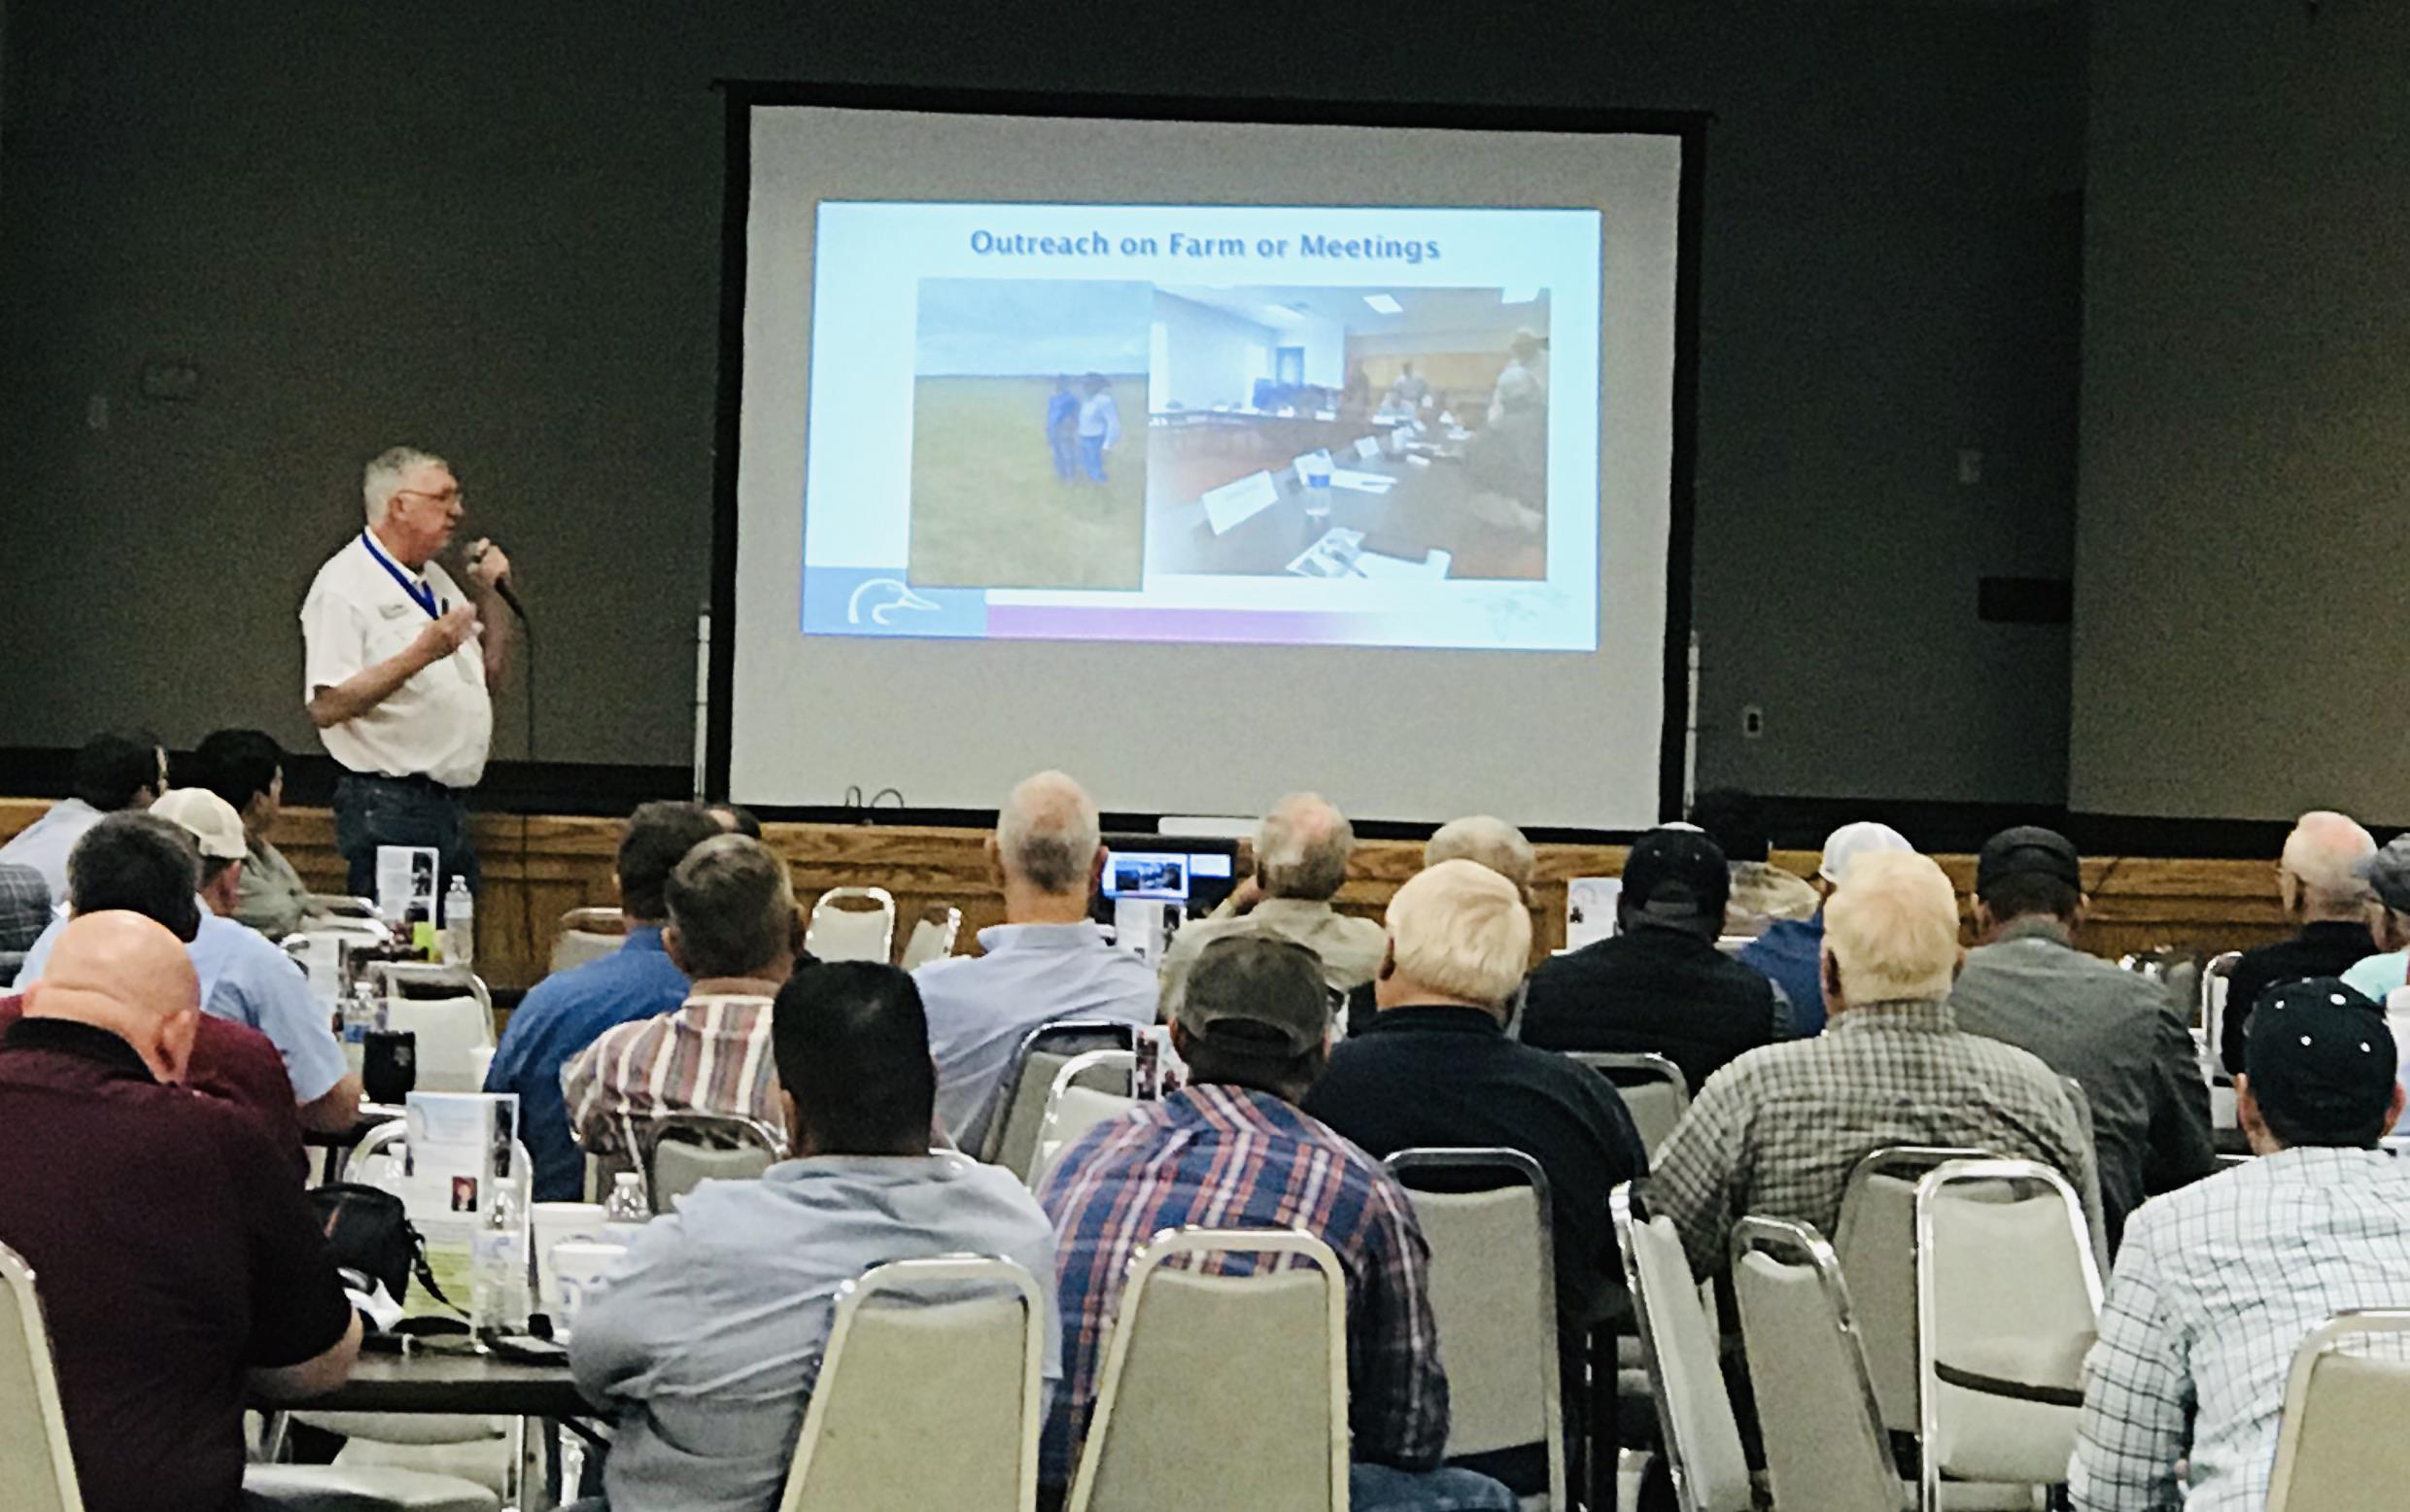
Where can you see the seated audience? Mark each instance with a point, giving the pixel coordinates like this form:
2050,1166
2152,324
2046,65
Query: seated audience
113,772
706,1347
24,908
735,819
1762,892
1790,951
1233,1151
2117,1033
181,1275
564,1014
1046,961
1777,1133
1435,1068
2323,882
2219,1284
735,931
246,769
1658,985
2387,873
245,979
155,873
1301,854
1493,842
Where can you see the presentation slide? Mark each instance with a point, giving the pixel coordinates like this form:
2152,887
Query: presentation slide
1204,460
1296,426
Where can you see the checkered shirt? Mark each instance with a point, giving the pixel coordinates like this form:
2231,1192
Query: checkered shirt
2216,1286
712,1055
1223,1156
24,907
1776,1133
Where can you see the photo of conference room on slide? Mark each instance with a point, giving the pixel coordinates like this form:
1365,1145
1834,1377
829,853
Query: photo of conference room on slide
1347,432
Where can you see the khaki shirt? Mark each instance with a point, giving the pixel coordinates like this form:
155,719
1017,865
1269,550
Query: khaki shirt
271,897
1350,948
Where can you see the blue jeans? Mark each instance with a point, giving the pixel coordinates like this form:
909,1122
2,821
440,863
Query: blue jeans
1381,1488
374,810
1066,450
1092,456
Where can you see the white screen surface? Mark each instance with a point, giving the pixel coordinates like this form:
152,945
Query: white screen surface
1092,444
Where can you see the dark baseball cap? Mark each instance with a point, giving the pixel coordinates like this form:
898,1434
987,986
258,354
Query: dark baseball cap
2321,1062
2389,874
1255,994
1675,877
2027,849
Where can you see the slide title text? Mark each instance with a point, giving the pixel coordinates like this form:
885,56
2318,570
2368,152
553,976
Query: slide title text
1181,244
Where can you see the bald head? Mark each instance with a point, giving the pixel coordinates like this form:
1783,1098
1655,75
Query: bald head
124,973
1302,849
2321,874
1486,841
1049,836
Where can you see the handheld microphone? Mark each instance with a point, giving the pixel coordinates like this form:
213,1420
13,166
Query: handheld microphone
502,585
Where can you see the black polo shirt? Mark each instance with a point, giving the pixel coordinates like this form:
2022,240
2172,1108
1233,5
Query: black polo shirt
172,1252
2327,949
1445,1075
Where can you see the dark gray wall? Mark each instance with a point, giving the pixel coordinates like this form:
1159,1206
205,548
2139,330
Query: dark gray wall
2240,606
495,232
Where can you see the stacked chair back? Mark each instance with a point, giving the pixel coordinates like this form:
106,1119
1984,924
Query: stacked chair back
681,1151
2008,1302
1826,1448
1680,1351
1493,1295
1088,1089
958,1340
1877,1242
35,1464
1651,1087
1019,1114
2341,1448
1223,1388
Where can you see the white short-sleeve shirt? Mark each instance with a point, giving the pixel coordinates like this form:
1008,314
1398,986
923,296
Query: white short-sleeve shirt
440,723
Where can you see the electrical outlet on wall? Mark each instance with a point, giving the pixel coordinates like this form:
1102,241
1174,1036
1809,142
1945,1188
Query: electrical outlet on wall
1752,722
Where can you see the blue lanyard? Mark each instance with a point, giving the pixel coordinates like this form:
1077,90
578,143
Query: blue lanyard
422,594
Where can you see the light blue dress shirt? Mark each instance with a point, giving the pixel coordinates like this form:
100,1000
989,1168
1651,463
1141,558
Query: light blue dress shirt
44,844
2377,976
980,1008
248,979
707,1343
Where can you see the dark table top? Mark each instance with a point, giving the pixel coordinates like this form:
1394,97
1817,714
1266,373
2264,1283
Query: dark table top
430,1381
1426,508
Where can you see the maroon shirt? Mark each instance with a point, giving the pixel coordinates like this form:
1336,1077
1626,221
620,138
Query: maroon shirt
172,1252
237,1064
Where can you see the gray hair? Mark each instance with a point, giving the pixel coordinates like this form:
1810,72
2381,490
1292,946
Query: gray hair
733,907
1489,841
1302,846
1048,833
383,478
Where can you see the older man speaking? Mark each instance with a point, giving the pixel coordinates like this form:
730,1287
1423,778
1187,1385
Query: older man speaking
401,664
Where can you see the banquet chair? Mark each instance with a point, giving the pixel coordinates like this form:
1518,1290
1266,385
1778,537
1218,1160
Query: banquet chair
2339,1445
1216,1351
679,1152
1875,1242
852,924
1494,1298
1698,1432
1087,1091
1826,1448
587,934
957,1339
1013,1120
1651,1087
933,936
34,1459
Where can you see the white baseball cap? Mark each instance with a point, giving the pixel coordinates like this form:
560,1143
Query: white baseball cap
1846,845
211,821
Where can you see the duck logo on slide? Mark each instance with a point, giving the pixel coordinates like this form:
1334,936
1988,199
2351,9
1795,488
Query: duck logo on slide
887,596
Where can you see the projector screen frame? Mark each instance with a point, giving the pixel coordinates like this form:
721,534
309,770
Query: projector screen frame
741,96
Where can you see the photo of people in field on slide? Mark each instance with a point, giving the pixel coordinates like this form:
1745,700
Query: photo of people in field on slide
1029,433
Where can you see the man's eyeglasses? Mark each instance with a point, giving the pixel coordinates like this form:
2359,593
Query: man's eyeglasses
449,497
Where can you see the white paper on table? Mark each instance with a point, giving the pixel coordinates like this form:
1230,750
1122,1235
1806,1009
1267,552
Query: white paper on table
1590,910
1417,461
1362,482
1235,503
1369,447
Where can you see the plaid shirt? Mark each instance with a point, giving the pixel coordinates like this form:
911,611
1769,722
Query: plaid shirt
1223,1156
712,1055
24,907
1776,1132
2215,1288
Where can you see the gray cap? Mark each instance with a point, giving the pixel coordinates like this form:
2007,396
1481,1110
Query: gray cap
2389,874
1255,994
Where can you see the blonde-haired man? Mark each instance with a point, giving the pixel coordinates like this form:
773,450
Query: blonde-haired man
2322,879
1777,1131
1435,1067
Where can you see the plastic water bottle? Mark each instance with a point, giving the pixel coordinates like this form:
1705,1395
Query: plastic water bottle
497,1268
459,923
626,1204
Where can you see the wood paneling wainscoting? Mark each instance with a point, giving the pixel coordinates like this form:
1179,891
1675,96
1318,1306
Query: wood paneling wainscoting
537,867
